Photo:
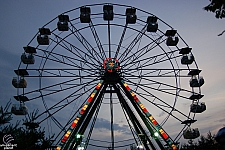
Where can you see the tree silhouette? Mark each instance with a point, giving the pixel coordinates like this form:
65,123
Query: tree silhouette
30,137
5,115
217,7
203,143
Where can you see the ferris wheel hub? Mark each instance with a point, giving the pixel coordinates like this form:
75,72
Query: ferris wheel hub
111,65
112,70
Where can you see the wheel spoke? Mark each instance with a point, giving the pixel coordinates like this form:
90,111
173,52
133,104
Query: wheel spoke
121,41
132,44
76,51
98,42
85,43
109,39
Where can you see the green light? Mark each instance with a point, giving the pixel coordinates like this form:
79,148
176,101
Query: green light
156,134
78,136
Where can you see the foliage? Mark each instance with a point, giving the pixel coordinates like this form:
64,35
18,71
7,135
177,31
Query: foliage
203,143
5,116
26,138
217,7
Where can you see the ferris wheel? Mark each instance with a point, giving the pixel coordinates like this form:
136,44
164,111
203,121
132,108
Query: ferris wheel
110,76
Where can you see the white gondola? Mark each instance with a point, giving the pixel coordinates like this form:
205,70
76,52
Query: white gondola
62,24
190,133
197,108
27,59
196,82
19,109
85,16
108,12
21,83
152,24
187,59
131,16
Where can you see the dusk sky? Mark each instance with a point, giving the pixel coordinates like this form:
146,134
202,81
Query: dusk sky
20,21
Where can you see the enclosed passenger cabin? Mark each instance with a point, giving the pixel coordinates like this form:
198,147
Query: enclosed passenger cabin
28,56
197,108
19,109
108,12
27,59
62,24
152,24
85,14
131,16
171,40
190,133
21,83
43,38
187,59
196,82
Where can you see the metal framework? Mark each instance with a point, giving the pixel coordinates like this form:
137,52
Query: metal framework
108,71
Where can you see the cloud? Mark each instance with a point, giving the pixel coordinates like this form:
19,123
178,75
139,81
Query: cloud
8,62
222,120
105,124
162,114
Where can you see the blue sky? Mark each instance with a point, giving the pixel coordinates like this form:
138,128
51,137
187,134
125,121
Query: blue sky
20,21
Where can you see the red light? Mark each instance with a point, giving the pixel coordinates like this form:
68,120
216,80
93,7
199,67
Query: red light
63,140
128,88
174,147
165,136
136,99
73,125
145,110
154,122
90,99
82,112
